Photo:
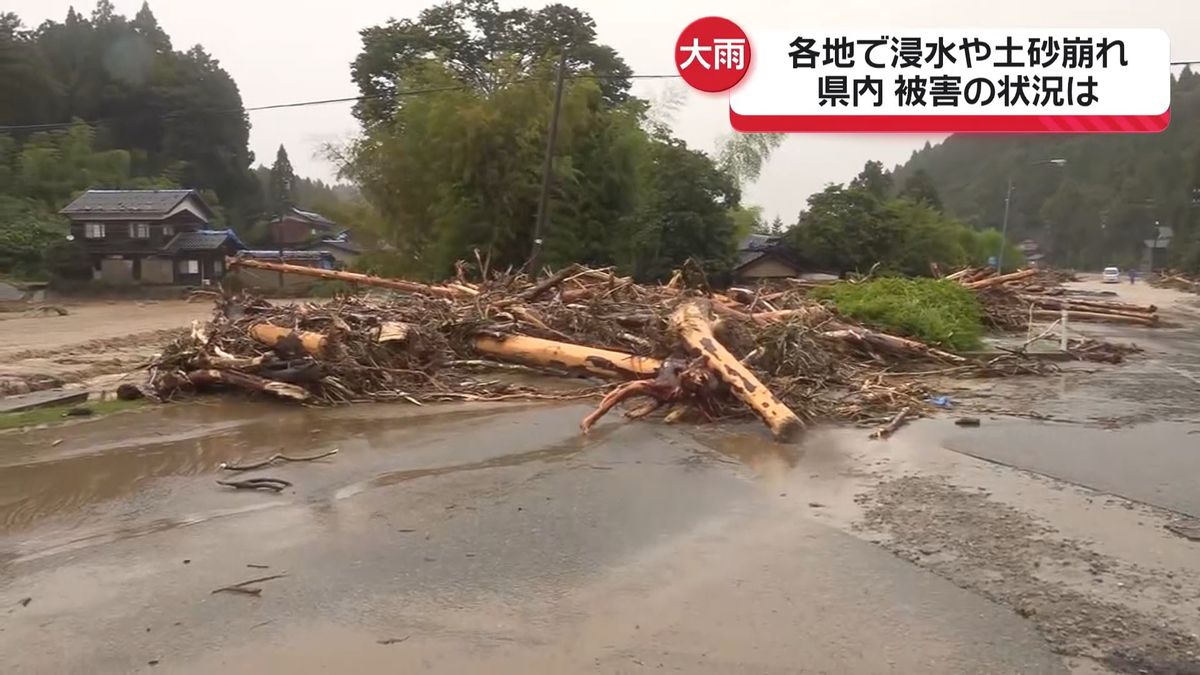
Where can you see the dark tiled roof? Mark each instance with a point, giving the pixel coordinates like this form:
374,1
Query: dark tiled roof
203,240
145,203
747,257
315,217
757,242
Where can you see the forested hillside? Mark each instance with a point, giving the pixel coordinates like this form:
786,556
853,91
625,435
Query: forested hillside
174,114
1097,208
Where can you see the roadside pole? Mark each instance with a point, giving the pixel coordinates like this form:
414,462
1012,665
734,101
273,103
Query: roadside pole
539,226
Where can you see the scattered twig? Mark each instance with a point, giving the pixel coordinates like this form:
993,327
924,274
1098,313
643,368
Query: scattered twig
245,588
891,427
273,484
392,641
272,459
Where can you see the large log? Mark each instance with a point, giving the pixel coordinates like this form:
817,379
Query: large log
567,356
692,324
1056,302
351,277
1001,279
1097,317
276,336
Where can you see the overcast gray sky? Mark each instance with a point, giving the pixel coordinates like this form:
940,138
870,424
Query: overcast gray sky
289,50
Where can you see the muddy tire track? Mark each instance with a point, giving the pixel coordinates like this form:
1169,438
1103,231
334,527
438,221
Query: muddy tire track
1087,605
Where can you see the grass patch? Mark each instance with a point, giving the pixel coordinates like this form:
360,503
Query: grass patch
54,414
941,313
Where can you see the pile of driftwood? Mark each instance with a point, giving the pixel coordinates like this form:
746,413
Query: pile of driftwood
680,346
1015,300
1177,280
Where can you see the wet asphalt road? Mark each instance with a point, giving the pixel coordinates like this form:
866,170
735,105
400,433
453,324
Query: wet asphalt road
1132,430
457,540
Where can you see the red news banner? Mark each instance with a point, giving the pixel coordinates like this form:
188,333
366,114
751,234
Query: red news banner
898,80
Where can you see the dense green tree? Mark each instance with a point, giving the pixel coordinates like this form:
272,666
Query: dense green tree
776,228
685,212
27,231
747,220
174,113
874,180
919,187
481,46
459,169
281,186
845,230
857,227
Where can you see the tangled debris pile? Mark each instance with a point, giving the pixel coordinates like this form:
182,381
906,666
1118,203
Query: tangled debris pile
704,354
1015,300
1177,280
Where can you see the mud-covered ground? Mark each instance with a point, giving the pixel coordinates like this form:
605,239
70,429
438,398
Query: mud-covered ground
93,339
496,539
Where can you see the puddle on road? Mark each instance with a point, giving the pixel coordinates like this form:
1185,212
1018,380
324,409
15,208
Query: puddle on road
103,462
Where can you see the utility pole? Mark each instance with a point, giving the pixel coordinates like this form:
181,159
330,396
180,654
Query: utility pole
539,226
1008,201
1004,229
284,206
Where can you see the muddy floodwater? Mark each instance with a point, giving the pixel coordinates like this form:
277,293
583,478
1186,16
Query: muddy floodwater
496,538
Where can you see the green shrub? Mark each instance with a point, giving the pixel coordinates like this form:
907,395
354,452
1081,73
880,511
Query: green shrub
938,312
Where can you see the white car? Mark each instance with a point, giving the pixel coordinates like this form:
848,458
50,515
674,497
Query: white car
1111,275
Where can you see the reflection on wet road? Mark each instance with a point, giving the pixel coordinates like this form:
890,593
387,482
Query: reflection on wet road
491,538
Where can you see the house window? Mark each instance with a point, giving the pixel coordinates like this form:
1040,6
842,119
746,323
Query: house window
189,267
139,230
168,230
93,230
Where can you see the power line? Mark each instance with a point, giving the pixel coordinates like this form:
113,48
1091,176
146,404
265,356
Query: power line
325,101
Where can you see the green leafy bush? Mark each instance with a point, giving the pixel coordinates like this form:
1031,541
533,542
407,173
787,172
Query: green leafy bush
938,312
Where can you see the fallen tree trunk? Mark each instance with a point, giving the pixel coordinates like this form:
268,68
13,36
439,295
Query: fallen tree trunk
232,378
1055,302
1096,317
351,277
567,356
1000,279
694,327
284,338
